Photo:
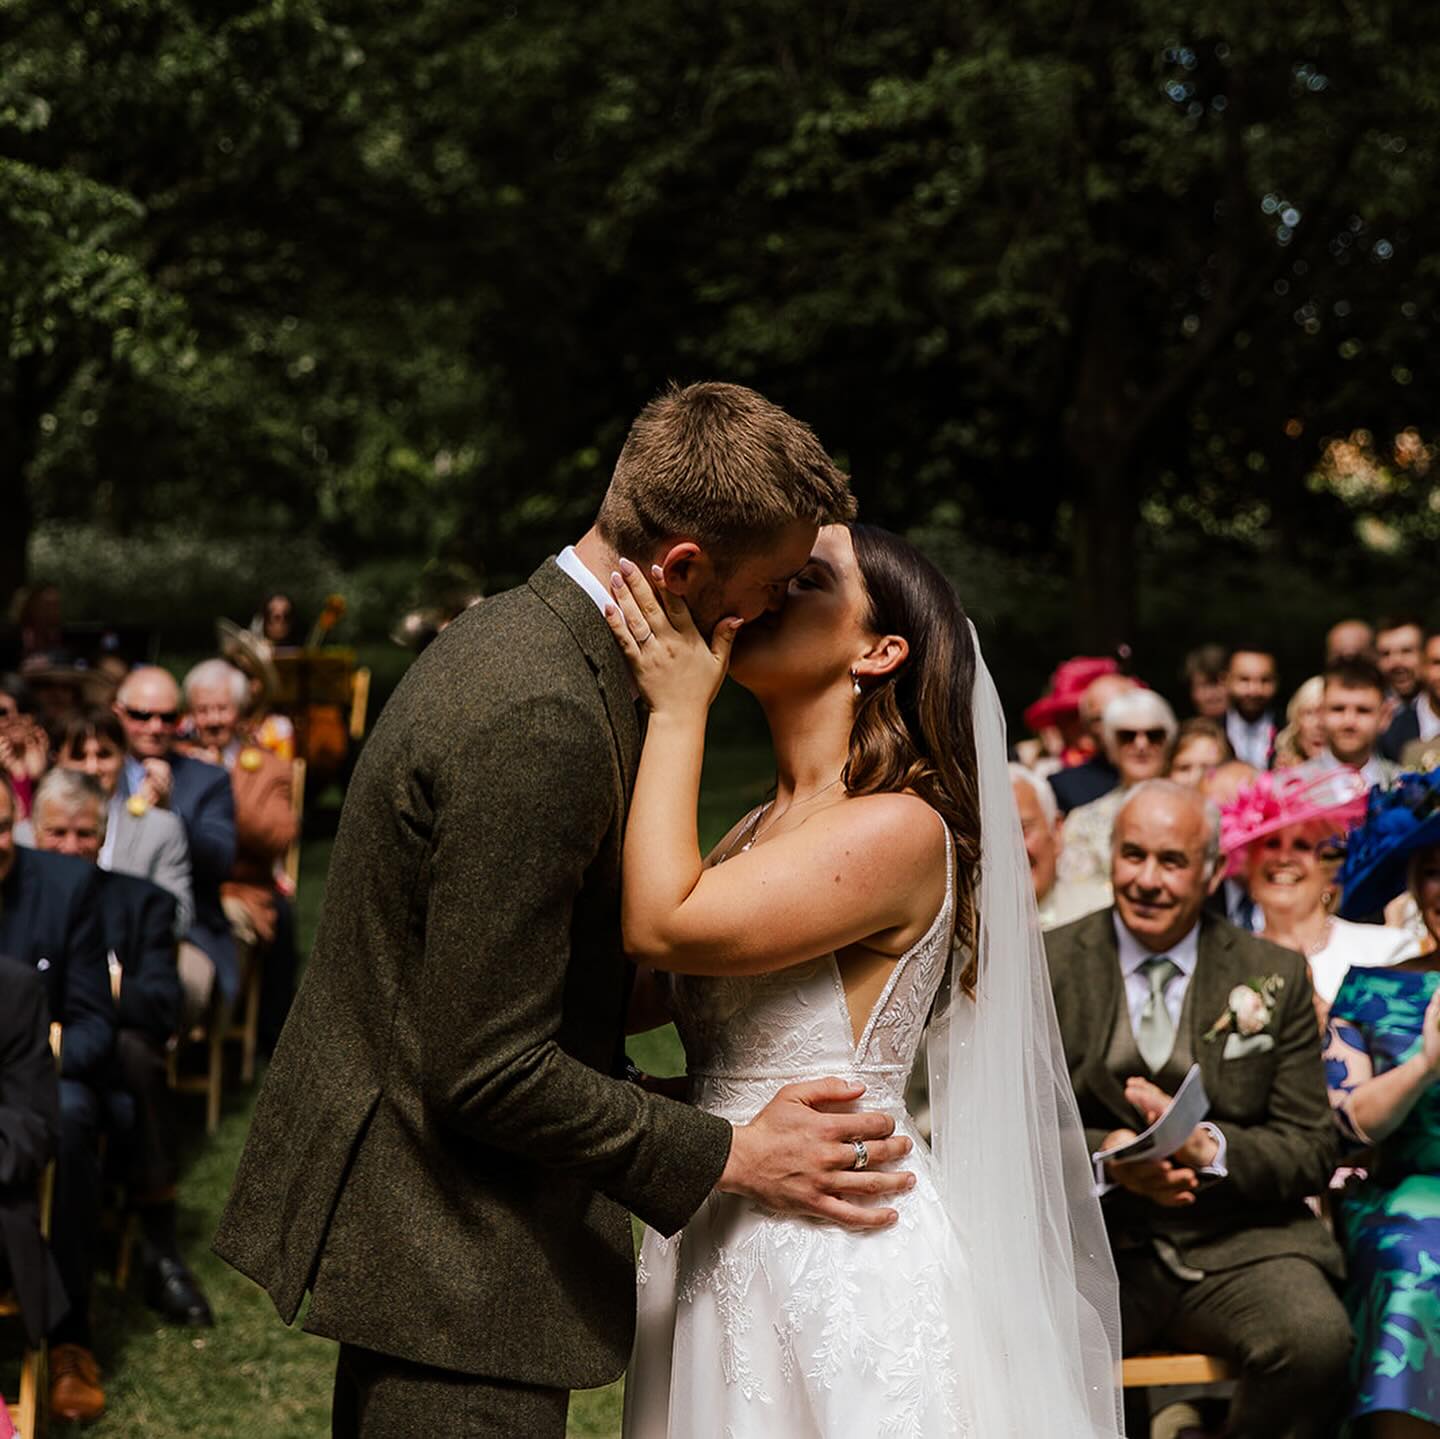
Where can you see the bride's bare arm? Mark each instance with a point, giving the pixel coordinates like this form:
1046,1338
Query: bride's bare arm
853,871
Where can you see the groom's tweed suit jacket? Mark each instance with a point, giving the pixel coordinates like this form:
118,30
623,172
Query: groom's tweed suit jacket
1271,1106
438,1153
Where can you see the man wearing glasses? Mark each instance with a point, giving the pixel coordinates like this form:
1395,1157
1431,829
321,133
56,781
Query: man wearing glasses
155,775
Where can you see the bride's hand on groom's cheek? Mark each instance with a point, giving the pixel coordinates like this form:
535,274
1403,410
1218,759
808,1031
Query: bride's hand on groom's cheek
796,1158
673,663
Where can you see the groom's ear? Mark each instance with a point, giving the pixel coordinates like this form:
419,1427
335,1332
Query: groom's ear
682,566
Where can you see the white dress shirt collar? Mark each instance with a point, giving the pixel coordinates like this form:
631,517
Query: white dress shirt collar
574,566
1185,952
1428,719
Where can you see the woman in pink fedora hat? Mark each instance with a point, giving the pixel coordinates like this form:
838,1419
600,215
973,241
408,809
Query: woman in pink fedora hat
1282,836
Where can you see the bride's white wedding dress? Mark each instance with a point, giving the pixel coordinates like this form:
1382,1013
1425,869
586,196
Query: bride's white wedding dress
756,1325
991,1308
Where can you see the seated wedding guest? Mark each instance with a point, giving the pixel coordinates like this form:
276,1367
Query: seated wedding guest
40,617
1382,1061
1417,728
1198,748
1232,900
1303,737
1057,712
1040,824
1353,705
1205,679
1399,643
50,921
1096,775
139,838
1216,1249
138,921
156,775
24,745
1138,728
259,724
275,621
29,1127
1349,640
215,693
1251,681
1281,835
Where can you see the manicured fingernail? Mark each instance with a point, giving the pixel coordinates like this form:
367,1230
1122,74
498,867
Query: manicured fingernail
656,572
615,581
910,1181
626,568
610,611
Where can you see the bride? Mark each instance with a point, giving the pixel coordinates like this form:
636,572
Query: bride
883,890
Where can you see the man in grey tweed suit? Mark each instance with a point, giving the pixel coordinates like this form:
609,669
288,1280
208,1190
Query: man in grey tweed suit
442,1153
1215,1249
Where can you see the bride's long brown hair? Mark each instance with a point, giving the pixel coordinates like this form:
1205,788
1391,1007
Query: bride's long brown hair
913,728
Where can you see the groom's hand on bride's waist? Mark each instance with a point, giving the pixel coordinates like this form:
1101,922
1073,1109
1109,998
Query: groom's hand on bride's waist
798,1156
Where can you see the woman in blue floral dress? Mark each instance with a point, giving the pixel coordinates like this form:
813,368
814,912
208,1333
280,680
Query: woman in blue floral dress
1383,1070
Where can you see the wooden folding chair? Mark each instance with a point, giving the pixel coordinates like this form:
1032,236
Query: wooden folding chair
252,959
211,1083
1142,1372
359,702
26,1411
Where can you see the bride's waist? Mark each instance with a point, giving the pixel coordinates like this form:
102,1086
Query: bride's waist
740,1094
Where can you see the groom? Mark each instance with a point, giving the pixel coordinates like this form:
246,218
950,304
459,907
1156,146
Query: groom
440,1153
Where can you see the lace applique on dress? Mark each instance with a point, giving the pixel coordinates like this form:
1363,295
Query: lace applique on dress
771,1325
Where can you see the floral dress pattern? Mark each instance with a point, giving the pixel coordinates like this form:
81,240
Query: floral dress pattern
1390,1222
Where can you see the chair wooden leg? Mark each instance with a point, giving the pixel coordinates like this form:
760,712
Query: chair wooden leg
215,1080
32,1381
125,1252
250,1040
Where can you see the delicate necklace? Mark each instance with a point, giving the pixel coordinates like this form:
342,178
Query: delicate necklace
1322,940
760,814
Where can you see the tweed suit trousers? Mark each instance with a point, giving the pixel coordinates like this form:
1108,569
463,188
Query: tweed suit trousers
377,1397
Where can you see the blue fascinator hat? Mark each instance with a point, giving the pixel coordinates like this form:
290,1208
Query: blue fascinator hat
1399,819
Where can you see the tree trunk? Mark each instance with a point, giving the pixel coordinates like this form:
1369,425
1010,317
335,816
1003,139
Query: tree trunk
1103,571
17,450
1100,442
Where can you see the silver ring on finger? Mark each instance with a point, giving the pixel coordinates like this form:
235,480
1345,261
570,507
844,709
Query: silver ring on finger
862,1155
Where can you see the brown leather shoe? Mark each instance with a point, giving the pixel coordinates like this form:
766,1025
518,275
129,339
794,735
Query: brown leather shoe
75,1391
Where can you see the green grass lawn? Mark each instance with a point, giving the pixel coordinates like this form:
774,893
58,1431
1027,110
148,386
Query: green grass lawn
250,1376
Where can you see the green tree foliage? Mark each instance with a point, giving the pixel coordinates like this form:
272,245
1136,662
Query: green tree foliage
1056,279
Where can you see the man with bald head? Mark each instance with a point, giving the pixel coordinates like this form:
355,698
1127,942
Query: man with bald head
156,775
1349,640
1082,783
1216,1249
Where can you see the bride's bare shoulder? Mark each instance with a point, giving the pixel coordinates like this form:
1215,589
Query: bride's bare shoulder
903,825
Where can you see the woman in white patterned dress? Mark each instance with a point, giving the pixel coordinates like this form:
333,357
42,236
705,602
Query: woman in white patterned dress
824,933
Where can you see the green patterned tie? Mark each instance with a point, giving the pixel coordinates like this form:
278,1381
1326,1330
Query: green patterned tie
1155,1034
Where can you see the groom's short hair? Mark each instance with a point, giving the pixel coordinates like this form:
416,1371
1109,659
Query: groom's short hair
721,465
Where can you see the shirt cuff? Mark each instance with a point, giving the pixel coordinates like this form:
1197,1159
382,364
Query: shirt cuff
1215,1170
1211,1173
1102,1185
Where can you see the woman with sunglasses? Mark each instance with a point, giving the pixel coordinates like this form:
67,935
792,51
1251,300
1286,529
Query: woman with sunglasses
1137,728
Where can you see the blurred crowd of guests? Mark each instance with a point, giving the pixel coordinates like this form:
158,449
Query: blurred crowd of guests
1256,891
143,829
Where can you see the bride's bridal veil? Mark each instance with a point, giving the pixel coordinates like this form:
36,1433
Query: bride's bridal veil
1038,1335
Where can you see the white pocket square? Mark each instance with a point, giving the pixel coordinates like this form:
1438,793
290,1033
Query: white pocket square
1238,1046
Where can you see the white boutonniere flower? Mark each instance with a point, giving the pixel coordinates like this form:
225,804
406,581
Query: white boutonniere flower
1250,1008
